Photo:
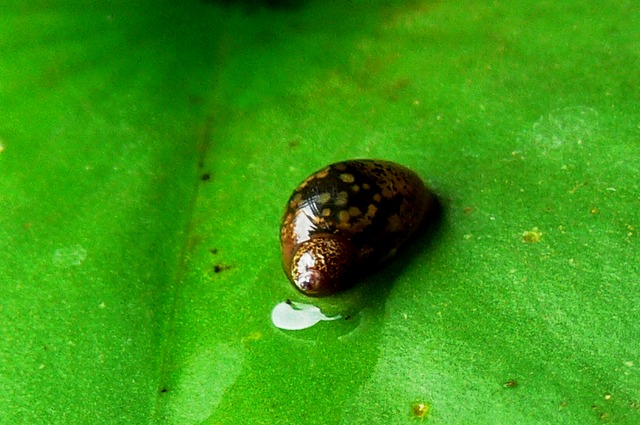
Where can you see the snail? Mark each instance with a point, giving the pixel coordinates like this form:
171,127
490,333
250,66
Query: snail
346,219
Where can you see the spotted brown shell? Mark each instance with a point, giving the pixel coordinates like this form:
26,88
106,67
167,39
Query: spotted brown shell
347,218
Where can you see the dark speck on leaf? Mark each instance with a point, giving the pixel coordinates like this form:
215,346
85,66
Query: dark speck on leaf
510,383
220,268
213,251
205,177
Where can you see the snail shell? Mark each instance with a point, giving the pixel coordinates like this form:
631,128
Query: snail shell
346,219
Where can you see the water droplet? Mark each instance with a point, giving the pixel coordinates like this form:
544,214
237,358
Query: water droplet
293,316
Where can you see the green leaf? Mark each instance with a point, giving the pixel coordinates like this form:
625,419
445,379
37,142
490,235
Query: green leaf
147,152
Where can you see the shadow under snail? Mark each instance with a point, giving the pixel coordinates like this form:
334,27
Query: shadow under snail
348,218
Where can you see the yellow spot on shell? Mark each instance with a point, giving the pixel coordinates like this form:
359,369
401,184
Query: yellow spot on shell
354,211
324,197
355,188
321,174
342,199
366,186
340,167
347,178
394,224
343,216
371,211
326,212
377,197
296,200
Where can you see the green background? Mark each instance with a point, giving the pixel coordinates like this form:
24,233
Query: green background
147,152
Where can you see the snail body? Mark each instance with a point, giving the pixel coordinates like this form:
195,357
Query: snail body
346,219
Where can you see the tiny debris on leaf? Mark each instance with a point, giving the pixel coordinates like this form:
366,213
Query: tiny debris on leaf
420,410
511,383
531,236
220,268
